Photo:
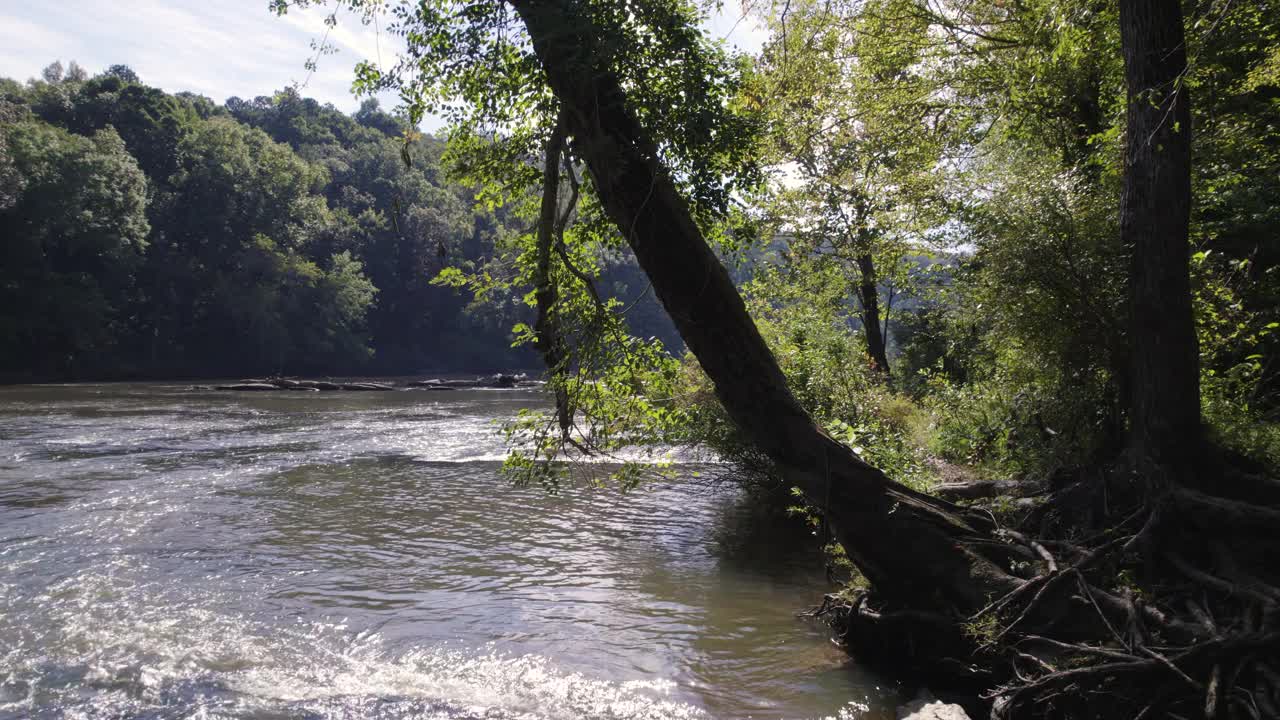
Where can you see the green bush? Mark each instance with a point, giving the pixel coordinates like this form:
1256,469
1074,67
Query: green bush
825,363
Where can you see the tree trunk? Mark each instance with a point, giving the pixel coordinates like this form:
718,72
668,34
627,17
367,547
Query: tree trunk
1155,214
909,545
870,294
550,343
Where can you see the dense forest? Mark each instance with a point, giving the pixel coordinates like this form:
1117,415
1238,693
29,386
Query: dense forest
153,235
985,291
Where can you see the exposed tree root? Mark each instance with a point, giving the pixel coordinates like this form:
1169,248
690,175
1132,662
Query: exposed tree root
1170,610
978,489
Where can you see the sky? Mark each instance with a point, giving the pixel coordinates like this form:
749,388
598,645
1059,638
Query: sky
220,48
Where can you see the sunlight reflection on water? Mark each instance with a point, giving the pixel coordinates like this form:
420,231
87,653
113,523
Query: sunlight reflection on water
165,553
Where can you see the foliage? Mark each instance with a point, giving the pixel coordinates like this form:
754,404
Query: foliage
989,132
808,328
1238,346
74,234
1022,355
277,235
616,380
848,158
473,65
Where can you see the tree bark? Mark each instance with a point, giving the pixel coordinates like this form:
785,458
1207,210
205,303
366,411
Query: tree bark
550,343
908,545
870,294
1154,220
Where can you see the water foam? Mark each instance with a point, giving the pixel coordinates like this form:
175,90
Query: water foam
104,646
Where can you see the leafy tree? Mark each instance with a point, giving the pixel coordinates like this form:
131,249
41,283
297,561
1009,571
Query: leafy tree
404,222
53,72
150,121
11,181
286,312
371,115
1237,146
75,230
851,154
75,73
339,206
124,73
233,184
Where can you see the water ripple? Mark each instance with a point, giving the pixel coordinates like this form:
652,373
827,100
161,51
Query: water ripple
167,554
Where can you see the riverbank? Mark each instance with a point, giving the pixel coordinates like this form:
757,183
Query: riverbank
497,381
205,378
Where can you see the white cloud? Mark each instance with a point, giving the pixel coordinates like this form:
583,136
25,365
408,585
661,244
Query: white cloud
217,48
351,37
225,48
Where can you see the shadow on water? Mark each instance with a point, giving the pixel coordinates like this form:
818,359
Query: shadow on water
758,531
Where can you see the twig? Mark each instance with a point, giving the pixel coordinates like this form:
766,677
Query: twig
1088,593
1079,648
1054,579
1213,694
1040,550
1173,668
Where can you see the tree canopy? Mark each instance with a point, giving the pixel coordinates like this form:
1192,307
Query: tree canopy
165,235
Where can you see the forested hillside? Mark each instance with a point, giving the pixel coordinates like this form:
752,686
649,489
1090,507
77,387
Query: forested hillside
156,235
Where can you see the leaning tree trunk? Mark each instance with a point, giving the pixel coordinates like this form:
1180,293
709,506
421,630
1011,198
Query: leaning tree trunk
1154,218
870,295
910,546
549,340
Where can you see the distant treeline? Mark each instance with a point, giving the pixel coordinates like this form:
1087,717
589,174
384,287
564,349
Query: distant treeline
156,235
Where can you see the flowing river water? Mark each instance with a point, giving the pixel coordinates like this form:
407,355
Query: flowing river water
170,553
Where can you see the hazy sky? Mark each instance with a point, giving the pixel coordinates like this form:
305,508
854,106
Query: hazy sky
217,48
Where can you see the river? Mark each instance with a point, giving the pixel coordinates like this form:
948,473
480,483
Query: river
169,553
